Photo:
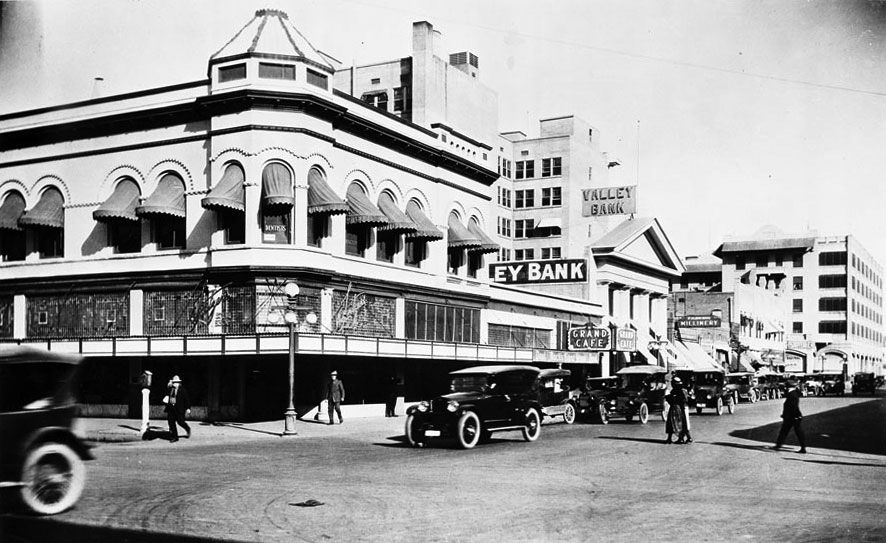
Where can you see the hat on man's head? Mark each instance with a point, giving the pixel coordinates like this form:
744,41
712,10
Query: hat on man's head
176,379
792,382
676,380
333,372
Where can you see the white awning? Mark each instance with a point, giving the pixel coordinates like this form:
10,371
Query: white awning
549,222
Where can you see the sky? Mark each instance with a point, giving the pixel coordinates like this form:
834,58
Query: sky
730,115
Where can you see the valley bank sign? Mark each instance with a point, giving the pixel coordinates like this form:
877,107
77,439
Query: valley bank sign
540,271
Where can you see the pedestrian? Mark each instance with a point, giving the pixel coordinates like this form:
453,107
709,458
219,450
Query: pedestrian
178,406
144,382
791,417
678,413
391,397
334,393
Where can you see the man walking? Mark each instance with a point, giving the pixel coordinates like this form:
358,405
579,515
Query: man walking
334,393
791,417
144,382
178,405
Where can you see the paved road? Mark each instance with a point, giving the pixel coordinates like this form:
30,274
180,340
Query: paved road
584,482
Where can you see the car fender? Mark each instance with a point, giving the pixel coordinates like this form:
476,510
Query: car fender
57,434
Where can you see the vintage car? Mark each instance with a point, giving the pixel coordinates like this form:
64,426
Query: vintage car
554,395
799,377
768,386
482,400
640,390
864,383
40,456
707,388
812,384
596,392
832,382
743,386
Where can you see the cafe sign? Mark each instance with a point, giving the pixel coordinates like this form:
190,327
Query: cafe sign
589,338
698,321
609,201
626,339
540,271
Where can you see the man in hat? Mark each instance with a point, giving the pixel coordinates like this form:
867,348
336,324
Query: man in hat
334,393
677,420
791,417
144,382
178,405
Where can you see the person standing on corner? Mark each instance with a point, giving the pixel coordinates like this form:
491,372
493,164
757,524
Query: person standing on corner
791,417
678,416
334,394
391,396
178,405
144,382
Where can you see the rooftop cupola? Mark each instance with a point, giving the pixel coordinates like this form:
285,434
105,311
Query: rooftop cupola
269,52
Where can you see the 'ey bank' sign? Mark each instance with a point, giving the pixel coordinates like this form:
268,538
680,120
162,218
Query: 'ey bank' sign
540,271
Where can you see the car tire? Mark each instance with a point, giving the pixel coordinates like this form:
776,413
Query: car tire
602,413
468,430
719,406
730,407
755,396
643,413
414,437
532,428
54,477
569,414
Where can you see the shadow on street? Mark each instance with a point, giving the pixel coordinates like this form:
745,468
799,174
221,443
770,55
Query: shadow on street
239,426
857,428
23,529
639,439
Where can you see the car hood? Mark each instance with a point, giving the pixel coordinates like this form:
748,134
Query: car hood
461,397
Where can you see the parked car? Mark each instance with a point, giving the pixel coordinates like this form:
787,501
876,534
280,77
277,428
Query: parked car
40,456
708,389
640,390
863,383
482,400
554,395
768,386
594,397
832,382
801,379
813,384
743,386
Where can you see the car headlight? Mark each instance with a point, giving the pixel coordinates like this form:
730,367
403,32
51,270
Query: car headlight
423,406
452,406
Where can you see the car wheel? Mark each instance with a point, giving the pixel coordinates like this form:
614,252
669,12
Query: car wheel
54,477
698,409
569,414
643,413
468,430
730,407
755,396
532,429
603,413
414,437
719,406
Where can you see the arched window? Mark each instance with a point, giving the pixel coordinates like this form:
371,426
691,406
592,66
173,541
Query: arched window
118,214
363,215
322,203
227,200
460,239
276,204
12,236
165,208
47,221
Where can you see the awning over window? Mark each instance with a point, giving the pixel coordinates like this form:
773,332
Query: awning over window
121,204
11,210
321,197
427,230
276,186
549,222
397,220
228,193
460,237
361,210
486,243
48,212
167,199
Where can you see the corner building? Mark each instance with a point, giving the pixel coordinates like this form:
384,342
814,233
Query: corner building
158,229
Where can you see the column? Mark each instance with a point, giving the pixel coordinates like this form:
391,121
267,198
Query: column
300,214
336,235
19,317
326,310
400,317
136,312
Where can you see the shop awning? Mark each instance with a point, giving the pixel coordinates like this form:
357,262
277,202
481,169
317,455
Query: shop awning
121,204
549,222
11,210
49,211
276,186
321,197
168,199
745,363
427,230
397,220
460,237
692,356
361,211
486,243
228,193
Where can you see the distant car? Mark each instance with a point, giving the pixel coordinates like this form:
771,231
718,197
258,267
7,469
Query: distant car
801,379
554,395
768,386
640,390
707,389
40,456
743,386
483,400
813,384
863,383
595,396
832,382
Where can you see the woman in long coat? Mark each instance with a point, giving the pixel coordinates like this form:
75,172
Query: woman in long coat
678,417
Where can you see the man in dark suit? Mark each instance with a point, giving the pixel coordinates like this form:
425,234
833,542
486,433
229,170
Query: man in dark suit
334,394
791,417
178,405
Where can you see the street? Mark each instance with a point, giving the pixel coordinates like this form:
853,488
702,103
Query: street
584,482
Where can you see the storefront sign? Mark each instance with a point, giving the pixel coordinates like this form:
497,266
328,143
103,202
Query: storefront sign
551,356
626,340
609,201
698,321
588,338
540,271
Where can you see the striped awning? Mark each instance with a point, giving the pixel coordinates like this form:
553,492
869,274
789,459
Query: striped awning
49,211
460,237
11,211
321,197
361,211
228,193
167,199
486,243
397,220
276,186
427,230
121,204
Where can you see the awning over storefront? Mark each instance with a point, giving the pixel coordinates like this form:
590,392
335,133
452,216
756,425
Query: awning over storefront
276,186
49,211
121,204
692,356
460,237
361,211
745,363
11,211
397,220
427,230
168,199
486,243
321,197
228,193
